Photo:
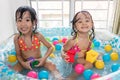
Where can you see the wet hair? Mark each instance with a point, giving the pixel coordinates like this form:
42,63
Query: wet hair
21,10
74,31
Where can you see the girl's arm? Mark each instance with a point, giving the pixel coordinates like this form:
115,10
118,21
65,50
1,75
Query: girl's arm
19,56
47,44
17,49
68,45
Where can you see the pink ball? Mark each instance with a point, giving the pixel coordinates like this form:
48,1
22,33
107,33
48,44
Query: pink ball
32,74
79,68
64,40
94,76
55,42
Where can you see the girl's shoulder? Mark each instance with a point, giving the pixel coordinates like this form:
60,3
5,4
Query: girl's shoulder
39,35
71,41
16,36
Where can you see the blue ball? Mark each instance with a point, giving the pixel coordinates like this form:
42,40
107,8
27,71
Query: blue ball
54,39
43,74
114,67
96,43
58,47
87,74
106,57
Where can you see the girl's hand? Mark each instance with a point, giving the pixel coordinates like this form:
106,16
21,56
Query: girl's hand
41,61
99,57
27,64
81,54
64,56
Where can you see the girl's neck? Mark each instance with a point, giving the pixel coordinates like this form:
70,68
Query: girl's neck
28,34
82,35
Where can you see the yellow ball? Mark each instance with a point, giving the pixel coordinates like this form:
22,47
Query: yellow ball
52,55
108,48
99,64
59,40
53,48
12,58
114,56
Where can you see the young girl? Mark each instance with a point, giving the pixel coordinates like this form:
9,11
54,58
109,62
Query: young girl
83,34
27,42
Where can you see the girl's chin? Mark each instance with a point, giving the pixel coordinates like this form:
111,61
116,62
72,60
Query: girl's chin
24,32
84,31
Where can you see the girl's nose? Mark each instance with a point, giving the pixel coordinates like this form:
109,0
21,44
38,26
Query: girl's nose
84,23
23,23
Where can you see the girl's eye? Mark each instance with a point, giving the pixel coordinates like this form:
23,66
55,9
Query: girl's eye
27,20
19,20
79,21
87,21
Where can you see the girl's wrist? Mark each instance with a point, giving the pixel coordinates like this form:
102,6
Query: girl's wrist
22,63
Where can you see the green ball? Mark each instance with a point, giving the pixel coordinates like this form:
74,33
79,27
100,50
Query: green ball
48,39
34,63
92,45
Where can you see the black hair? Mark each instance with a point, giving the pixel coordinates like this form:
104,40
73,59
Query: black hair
32,12
74,31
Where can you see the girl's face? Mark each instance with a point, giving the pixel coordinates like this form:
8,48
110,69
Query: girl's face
84,23
24,24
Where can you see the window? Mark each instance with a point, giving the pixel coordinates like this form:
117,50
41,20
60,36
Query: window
101,11
57,13
52,13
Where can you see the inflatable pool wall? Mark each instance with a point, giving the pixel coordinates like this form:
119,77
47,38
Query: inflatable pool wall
108,71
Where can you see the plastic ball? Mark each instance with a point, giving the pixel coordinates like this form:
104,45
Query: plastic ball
33,63
48,39
94,76
114,56
59,40
79,68
92,45
13,53
43,74
64,40
87,74
32,74
114,67
12,58
55,42
58,47
108,48
106,57
53,48
96,44
99,64
55,39
52,55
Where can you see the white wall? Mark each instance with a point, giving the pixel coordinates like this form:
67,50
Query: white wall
7,17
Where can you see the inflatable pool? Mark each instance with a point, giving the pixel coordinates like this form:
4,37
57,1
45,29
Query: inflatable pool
105,43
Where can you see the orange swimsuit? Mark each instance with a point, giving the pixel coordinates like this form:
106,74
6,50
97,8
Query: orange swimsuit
35,44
